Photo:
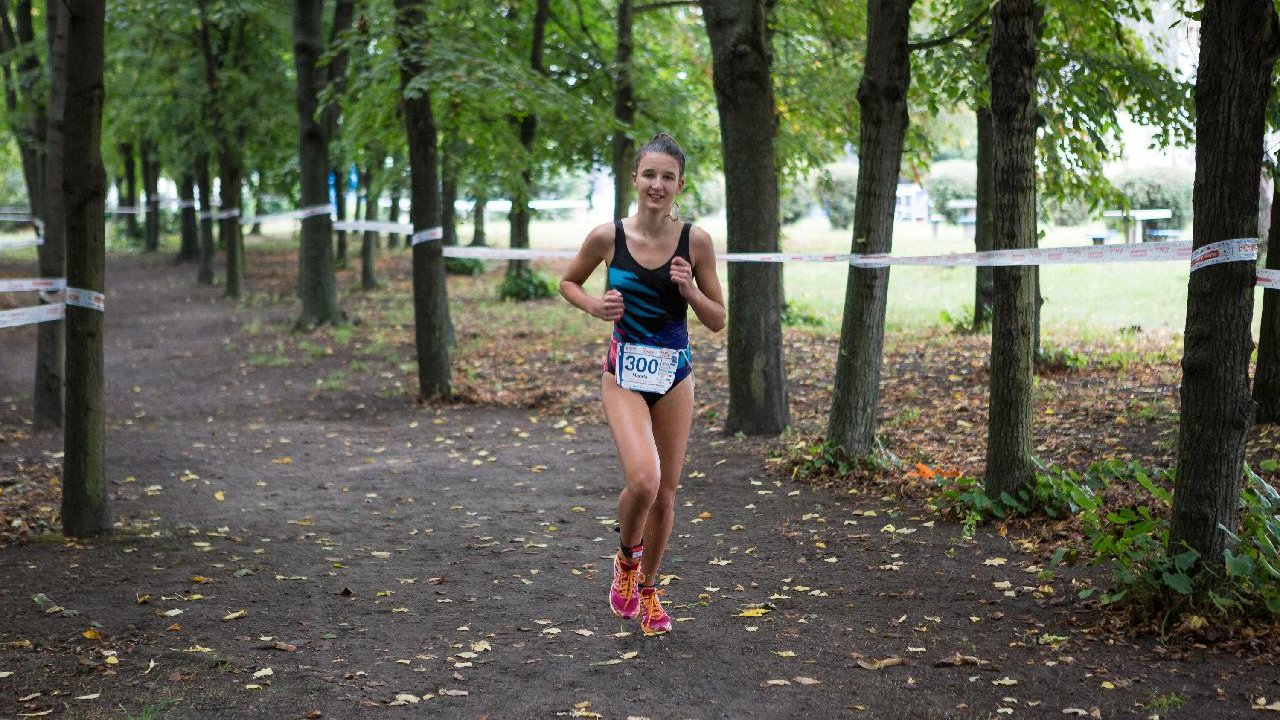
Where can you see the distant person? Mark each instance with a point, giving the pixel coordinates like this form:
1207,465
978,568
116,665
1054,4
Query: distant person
658,268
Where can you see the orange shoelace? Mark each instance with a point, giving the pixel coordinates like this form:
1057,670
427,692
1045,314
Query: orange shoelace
628,580
652,605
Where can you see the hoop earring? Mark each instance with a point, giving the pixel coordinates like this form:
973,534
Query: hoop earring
674,214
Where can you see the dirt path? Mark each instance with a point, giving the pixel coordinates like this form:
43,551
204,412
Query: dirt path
399,561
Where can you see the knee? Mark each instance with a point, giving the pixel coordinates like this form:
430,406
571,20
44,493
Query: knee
644,484
664,501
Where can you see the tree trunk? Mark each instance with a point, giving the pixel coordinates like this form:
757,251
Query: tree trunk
208,253
478,211
528,125
1012,62
25,100
369,245
624,113
130,199
340,215
47,397
189,249
393,213
84,483
449,193
882,98
1239,41
432,328
1266,377
984,285
151,186
230,176
744,98
259,202
317,288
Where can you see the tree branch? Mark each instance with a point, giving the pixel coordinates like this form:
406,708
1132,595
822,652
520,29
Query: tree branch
962,31
663,4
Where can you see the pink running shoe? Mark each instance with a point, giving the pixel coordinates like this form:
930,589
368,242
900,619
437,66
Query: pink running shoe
656,620
624,595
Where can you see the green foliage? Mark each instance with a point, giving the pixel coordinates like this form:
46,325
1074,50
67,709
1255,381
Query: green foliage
951,180
1253,564
1060,359
961,321
465,266
1056,493
797,201
799,314
825,459
837,188
1067,211
1158,188
528,285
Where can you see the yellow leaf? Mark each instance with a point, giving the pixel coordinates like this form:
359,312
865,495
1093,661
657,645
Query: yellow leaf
235,615
286,460
264,672
784,653
995,561
1108,685
217,495
112,660
753,612
705,515
92,634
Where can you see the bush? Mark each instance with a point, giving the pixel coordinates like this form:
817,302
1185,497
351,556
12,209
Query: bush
797,200
528,285
951,180
837,188
1158,188
1068,212
465,266
798,314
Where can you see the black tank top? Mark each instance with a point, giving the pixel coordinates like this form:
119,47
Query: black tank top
654,311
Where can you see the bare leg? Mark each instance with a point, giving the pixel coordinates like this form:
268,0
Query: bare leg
632,430
672,416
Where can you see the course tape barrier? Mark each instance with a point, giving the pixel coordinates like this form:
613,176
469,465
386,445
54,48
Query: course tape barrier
1224,251
31,315
91,299
32,285
428,235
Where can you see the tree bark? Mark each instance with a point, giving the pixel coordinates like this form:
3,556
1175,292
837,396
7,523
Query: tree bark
624,112
339,212
26,104
151,187
208,253
48,398
393,213
369,244
189,248
130,199
478,211
1266,377
432,327
84,484
882,98
741,61
984,282
528,127
317,288
449,192
1012,62
230,176
1239,42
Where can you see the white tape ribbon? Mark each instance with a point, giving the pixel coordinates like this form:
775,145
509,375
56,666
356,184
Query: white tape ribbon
31,315
8,243
373,226
32,285
186,204
484,253
1224,251
431,233
124,210
225,214
91,299
316,210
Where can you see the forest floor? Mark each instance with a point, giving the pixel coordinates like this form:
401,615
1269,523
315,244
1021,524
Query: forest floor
299,539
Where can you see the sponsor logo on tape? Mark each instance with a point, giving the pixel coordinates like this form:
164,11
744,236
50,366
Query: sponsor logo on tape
32,285
1225,251
31,315
91,299
431,233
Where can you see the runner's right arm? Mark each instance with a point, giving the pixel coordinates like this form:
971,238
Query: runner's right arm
596,249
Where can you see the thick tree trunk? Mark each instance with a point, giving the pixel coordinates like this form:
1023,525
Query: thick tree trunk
317,288
1266,377
231,174
130,197
1239,41
369,244
47,398
624,113
528,125
449,193
984,285
1012,62
84,483
151,187
882,97
478,211
335,74
189,248
432,328
208,253
744,98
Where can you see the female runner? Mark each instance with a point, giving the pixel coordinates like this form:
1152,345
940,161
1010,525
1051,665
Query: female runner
657,268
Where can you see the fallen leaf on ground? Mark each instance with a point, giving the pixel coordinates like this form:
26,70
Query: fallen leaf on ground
957,660
264,672
807,681
881,664
235,615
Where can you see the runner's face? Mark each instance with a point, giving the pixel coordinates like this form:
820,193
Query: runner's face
657,180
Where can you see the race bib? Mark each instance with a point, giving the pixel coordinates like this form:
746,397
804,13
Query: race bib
646,368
